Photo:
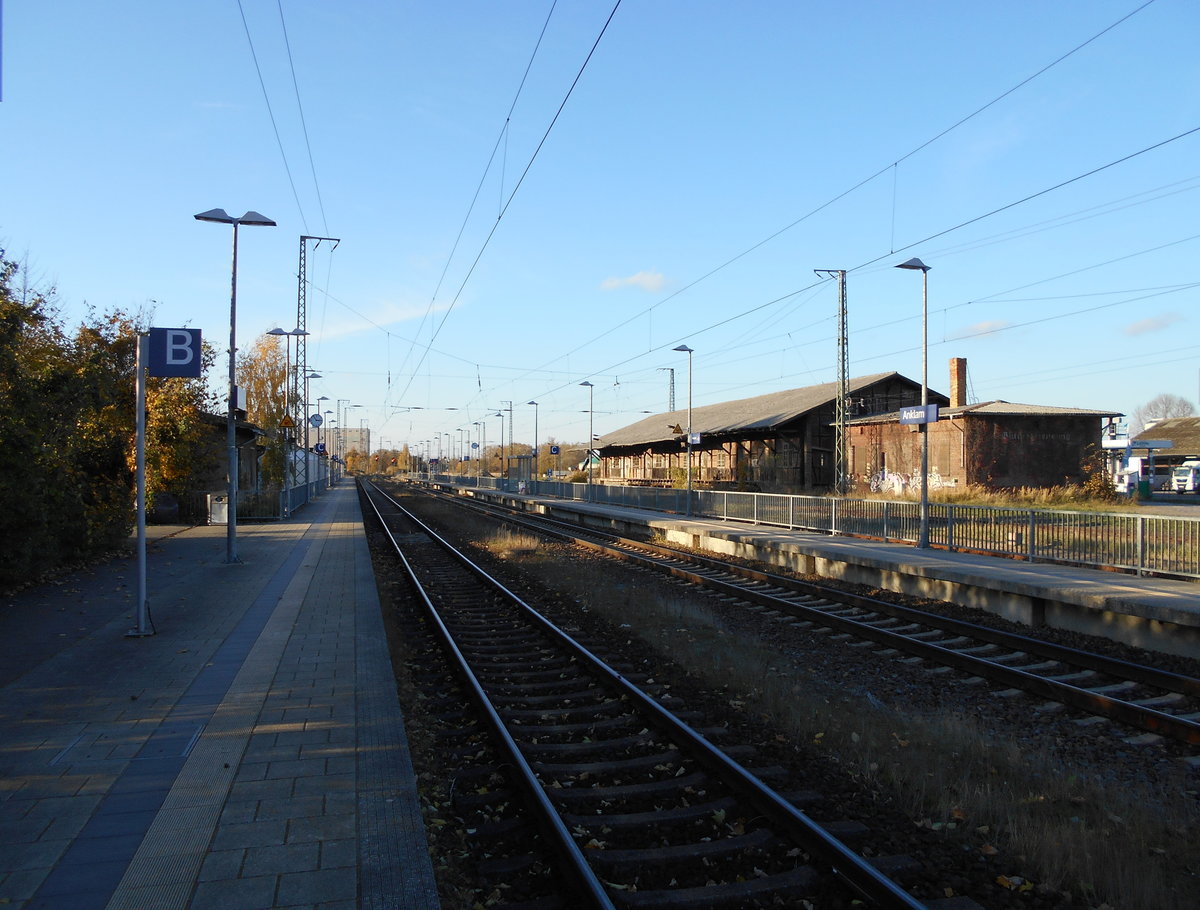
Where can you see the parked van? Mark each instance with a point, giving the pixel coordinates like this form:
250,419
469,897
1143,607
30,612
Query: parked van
1186,477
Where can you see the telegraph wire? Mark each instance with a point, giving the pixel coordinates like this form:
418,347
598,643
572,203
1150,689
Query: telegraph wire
855,187
512,195
271,114
482,179
1031,196
303,124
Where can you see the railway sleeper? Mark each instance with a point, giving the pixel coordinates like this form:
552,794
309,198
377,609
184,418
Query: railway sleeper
582,749
724,848
1160,701
694,784
796,883
588,728
653,819
518,686
641,763
567,699
545,669
567,713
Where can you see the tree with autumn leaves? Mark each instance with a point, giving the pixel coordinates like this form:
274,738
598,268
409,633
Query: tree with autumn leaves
262,371
67,431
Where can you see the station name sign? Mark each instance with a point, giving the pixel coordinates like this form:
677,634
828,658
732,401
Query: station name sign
175,352
926,413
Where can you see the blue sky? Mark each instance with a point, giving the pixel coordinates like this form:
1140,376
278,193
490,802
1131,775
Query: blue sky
708,159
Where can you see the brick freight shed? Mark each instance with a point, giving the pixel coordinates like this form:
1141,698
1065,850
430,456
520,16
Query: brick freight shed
780,442
991,444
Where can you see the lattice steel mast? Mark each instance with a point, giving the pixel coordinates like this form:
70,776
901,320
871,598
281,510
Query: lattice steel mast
843,386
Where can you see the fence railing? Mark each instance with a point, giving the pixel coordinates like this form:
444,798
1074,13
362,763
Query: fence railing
1145,544
271,505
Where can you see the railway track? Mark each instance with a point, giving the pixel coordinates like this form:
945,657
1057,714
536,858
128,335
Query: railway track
633,806
1154,701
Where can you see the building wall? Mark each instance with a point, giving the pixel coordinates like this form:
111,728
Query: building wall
350,439
793,458
1029,451
1013,451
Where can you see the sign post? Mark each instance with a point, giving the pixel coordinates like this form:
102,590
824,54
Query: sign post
160,352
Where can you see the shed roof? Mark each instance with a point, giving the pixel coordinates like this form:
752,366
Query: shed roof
1183,431
997,408
763,412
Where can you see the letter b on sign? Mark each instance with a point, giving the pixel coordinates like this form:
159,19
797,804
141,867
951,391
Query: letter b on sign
175,352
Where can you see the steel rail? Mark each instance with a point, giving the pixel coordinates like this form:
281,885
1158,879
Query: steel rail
1148,719
847,865
578,870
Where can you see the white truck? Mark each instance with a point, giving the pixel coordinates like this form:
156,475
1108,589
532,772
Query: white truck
1186,477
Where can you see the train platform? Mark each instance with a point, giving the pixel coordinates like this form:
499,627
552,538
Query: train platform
250,753
1158,614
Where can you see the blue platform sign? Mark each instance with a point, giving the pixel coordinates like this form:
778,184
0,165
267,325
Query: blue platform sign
927,413
175,352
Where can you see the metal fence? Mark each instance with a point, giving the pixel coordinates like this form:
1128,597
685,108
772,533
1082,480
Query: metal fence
1145,544
271,505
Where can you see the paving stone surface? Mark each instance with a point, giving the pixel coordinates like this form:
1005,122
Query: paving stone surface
231,759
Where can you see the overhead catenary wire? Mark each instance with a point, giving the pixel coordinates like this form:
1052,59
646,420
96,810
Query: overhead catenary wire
844,193
774,301
303,123
529,165
271,114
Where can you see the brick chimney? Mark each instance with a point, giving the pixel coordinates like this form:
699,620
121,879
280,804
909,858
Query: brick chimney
958,382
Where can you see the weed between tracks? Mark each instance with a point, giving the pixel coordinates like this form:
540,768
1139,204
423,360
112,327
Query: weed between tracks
1110,842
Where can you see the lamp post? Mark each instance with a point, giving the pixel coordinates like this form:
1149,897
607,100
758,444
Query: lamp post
915,264
482,424
255,219
339,441
504,453
591,392
535,472
346,422
323,437
310,374
319,423
287,380
685,349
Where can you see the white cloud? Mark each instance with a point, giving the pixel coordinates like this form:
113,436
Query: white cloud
381,317
1153,324
647,281
981,328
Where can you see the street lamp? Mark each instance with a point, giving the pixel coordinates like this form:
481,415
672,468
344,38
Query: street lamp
323,440
287,381
309,374
482,424
923,533
591,392
683,348
254,219
535,473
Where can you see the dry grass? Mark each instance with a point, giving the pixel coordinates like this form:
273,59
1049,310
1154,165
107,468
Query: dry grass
1111,844
507,543
1075,498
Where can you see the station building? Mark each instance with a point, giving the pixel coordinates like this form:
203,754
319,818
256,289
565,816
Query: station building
785,441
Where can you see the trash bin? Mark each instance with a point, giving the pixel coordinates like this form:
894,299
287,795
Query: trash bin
218,508
1143,489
